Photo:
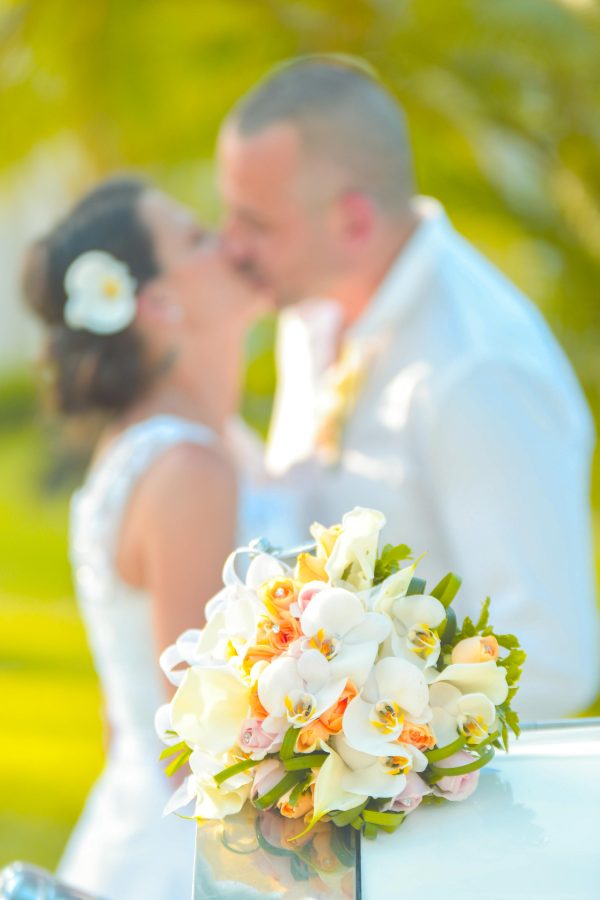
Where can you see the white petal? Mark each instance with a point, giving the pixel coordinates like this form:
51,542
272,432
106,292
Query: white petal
485,678
313,668
184,794
444,726
477,705
336,610
263,568
418,609
374,781
374,627
275,683
354,661
329,792
208,707
403,682
361,734
394,586
329,695
446,695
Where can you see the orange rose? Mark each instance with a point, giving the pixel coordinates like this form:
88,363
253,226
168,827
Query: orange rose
476,649
303,806
258,653
310,736
332,717
283,632
419,736
257,710
309,568
277,594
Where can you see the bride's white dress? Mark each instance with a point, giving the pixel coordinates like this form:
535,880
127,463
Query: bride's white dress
122,847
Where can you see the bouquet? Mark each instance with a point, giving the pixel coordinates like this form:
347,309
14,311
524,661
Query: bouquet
333,687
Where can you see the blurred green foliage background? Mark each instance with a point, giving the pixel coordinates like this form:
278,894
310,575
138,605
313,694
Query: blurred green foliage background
503,101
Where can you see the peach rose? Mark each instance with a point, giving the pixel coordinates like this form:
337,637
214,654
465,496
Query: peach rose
476,650
277,594
303,806
309,568
283,632
310,737
419,736
258,653
257,710
332,717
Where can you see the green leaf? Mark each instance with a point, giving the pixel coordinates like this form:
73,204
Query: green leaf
348,816
448,750
384,818
478,763
389,561
304,761
416,586
447,630
173,748
484,615
289,742
447,589
178,762
508,641
282,787
235,769
299,790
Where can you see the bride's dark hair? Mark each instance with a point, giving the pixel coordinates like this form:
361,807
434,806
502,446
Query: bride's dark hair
91,371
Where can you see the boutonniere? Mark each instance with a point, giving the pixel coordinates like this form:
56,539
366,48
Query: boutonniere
342,384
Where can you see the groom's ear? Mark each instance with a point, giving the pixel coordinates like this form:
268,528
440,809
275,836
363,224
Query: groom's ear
356,217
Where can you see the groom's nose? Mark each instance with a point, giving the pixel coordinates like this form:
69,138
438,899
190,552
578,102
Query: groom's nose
236,245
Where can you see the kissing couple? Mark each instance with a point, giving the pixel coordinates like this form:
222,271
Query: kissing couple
412,378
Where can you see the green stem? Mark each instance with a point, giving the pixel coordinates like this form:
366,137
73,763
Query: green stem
222,776
478,763
383,818
448,750
289,742
282,787
306,761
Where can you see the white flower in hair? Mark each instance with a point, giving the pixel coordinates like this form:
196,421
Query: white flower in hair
100,294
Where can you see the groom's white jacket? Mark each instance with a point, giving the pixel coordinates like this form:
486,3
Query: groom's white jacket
472,435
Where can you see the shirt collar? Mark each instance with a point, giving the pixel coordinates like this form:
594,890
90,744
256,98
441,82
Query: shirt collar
400,288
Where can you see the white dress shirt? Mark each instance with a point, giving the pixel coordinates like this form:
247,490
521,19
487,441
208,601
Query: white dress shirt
472,435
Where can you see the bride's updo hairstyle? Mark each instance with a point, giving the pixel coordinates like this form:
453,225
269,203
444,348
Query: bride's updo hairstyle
93,372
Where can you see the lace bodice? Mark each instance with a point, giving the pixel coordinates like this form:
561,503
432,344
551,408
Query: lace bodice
117,617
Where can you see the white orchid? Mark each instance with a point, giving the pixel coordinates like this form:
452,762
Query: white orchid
472,716
378,776
396,691
337,625
330,793
299,689
100,294
415,619
208,707
477,678
352,560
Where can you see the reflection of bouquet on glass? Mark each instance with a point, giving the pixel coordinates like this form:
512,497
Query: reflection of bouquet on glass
336,688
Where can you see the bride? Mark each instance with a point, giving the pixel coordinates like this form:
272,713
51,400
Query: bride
145,324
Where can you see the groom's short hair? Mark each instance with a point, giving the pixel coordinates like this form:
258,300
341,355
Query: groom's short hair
343,113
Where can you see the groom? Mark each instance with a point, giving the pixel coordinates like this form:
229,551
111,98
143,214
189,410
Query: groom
413,377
